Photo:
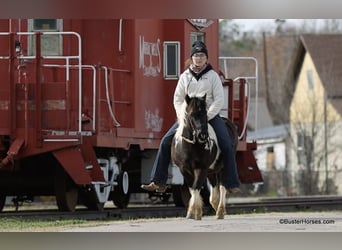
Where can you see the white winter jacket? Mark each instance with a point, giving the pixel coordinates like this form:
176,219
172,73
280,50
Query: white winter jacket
209,83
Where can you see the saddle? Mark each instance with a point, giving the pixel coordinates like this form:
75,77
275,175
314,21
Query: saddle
212,142
232,131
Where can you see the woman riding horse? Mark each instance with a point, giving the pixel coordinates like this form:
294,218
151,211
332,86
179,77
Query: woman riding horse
197,80
194,150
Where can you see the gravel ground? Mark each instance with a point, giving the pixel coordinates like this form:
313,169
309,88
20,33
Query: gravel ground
259,222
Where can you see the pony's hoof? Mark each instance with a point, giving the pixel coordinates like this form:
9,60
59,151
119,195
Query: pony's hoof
190,216
220,217
220,213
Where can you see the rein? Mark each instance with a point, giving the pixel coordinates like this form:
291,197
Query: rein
193,141
208,143
187,123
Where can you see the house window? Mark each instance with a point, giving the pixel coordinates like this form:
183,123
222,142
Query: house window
51,44
300,141
171,60
309,75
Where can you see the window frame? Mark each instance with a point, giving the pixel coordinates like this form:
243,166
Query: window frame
310,79
196,36
166,63
31,40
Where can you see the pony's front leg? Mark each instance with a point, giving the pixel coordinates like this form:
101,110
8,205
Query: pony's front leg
221,210
195,205
214,197
190,212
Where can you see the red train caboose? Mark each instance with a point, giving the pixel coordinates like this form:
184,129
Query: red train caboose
84,103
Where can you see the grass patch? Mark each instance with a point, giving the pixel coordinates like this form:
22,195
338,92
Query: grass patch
38,225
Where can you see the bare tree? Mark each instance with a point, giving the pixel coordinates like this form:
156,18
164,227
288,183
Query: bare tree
314,129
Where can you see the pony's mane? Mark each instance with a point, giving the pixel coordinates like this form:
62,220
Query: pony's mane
181,120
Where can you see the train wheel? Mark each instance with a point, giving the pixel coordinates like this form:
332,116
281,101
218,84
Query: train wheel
96,206
2,202
66,191
89,199
181,195
121,194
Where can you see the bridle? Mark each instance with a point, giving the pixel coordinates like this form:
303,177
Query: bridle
193,128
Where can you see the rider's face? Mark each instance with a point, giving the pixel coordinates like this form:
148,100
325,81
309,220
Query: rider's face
199,59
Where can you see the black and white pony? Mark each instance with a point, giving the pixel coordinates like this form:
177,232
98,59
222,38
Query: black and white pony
195,151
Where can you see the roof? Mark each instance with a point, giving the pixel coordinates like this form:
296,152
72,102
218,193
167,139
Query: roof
326,53
274,132
264,119
283,57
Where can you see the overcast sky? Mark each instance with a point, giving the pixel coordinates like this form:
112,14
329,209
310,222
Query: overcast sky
263,24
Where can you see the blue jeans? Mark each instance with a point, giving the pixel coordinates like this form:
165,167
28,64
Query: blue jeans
230,176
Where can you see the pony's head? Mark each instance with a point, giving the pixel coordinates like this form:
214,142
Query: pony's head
196,111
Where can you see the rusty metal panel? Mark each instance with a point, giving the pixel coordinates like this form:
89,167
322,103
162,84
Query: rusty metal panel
90,157
247,167
154,112
73,163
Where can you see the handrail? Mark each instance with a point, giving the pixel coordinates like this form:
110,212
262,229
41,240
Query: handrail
111,112
243,131
254,77
84,66
116,123
66,58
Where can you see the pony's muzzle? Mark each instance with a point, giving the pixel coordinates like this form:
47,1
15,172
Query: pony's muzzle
202,137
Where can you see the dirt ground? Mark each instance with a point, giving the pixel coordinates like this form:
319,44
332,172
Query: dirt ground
258,222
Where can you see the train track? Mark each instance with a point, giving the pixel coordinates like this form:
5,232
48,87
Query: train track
312,203
162,211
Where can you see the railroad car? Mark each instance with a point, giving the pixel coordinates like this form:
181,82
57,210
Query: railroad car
84,104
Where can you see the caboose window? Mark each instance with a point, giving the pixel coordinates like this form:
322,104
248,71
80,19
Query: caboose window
45,24
196,36
171,60
51,45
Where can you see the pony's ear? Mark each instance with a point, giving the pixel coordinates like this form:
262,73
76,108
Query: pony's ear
187,99
204,97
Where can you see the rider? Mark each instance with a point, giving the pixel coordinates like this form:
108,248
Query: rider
198,79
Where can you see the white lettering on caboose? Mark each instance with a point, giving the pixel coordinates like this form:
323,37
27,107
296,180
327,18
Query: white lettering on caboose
153,121
149,57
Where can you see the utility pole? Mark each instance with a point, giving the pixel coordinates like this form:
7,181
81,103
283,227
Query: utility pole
326,144
265,67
